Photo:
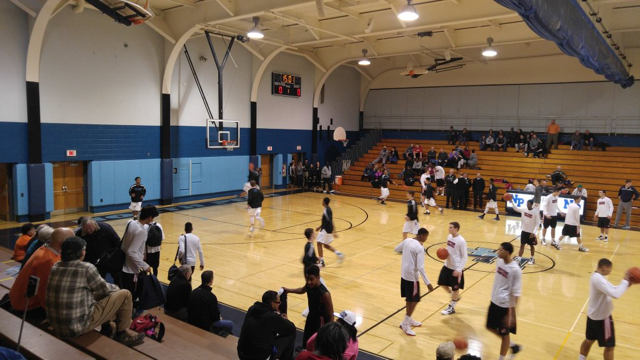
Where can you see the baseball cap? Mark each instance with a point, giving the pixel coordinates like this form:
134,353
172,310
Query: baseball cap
446,350
348,316
580,185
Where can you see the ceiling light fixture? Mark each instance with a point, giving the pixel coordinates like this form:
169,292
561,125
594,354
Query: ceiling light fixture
489,51
365,60
254,32
408,12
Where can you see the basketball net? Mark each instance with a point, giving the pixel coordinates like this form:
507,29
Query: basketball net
229,144
344,142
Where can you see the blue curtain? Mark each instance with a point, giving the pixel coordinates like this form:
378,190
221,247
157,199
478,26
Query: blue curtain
565,23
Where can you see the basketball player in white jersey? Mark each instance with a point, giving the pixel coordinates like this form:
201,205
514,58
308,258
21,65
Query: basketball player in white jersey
603,213
572,225
451,275
529,222
424,180
550,215
439,175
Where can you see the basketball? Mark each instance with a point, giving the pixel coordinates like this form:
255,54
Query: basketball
507,197
460,342
564,191
442,253
634,275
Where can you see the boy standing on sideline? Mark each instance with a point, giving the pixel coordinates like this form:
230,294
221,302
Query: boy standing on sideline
188,245
599,319
137,192
550,213
411,224
452,276
412,269
254,203
529,222
507,288
491,202
603,213
572,225
325,237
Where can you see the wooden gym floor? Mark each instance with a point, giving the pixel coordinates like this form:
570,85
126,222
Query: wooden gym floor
551,311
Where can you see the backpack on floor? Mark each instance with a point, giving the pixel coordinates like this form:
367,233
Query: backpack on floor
154,235
149,325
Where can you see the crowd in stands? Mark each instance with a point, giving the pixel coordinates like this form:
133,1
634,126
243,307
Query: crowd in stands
305,175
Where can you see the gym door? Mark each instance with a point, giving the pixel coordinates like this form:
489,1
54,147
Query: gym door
68,187
4,192
265,177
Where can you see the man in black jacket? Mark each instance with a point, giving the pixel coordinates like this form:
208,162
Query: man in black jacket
478,189
266,334
203,307
100,238
178,294
449,189
459,189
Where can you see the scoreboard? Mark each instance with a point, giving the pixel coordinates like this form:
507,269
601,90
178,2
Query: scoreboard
286,85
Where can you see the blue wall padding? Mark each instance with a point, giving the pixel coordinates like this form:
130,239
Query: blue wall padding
277,170
109,181
20,190
166,170
48,174
209,175
37,189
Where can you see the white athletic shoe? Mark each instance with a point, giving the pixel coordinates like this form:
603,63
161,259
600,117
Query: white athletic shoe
600,238
340,257
251,229
606,239
544,242
407,330
261,223
415,323
448,311
583,249
556,245
532,261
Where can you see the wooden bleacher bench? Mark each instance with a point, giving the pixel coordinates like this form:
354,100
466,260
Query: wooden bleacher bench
102,347
36,343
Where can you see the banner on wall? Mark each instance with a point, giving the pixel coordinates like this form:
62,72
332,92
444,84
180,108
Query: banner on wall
520,199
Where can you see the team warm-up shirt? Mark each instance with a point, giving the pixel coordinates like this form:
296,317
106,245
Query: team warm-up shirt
550,206
457,247
412,210
429,191
255,198
439,172
600,303
327,220
507,284
491,195
137,192
530,219
423,180
384,181
254,175
412,260
573,215
605,207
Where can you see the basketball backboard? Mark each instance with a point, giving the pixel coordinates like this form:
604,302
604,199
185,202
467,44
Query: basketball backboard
223,134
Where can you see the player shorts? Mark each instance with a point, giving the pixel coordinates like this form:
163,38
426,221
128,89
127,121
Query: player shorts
430,202
525,238
550,223
492,204
446,278
498,319
384,193
411,227
604,222
570,231
324,238
440,182
602,331
247,186
135,206
410,290
254,212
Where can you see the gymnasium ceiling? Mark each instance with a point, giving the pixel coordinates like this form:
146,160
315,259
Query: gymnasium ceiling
328,32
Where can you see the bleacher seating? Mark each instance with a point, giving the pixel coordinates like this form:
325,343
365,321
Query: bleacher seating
595,170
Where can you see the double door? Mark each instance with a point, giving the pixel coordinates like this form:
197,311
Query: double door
68,187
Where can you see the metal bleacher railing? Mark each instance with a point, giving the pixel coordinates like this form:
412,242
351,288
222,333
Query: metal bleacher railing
356,151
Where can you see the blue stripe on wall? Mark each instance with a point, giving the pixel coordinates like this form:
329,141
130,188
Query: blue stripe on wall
14,139
99,142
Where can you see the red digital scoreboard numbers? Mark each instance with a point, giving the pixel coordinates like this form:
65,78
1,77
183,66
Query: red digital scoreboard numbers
286,85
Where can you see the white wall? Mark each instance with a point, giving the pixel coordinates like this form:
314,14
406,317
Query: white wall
280,112
88,76
14,39
186,103
341,99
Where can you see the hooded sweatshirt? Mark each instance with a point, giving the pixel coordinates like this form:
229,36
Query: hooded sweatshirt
259,330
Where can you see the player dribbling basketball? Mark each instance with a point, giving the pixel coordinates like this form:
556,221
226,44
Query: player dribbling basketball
451,275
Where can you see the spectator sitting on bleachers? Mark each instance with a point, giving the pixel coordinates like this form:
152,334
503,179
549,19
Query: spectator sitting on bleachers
482,143
39,265
178,294
331,343
473,159
576,141
408,153
418,165
265,332
376,174
589,139
521,143
409,176
100,238
489,141
453,136
452,161
530,187
442,157
461,159
559,177
367,173
384,155
432,155
347,319
580,191
417,151
78,299
393,155
501,143
20,248
42,236
535,147
464,137
203,307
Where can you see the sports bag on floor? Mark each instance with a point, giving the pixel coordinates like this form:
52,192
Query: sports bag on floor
149,325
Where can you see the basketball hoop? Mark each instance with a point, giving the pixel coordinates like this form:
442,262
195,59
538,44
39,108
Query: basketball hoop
229,144
344,142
